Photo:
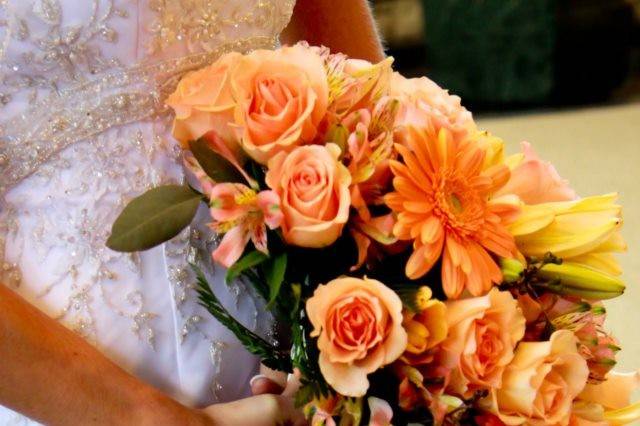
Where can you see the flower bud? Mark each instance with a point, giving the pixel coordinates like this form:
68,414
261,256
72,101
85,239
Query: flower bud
576,280
511,270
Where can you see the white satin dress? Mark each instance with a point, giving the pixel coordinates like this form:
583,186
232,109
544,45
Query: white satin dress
83,129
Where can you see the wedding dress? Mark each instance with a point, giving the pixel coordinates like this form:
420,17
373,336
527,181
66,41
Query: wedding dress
83,129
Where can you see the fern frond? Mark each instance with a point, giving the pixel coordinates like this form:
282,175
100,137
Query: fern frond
270,355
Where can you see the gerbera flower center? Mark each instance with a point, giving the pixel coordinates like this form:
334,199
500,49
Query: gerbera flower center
458,205
443,203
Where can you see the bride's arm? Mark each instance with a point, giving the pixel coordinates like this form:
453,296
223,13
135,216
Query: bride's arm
343,26
52,375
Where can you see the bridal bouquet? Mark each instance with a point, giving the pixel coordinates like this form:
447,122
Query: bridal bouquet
416,273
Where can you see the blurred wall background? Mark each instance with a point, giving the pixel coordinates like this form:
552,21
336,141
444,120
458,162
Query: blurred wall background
518,54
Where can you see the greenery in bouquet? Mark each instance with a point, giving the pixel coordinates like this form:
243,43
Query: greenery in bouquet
416,273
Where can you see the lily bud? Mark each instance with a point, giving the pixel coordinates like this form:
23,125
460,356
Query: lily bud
581,281
511,270
626,415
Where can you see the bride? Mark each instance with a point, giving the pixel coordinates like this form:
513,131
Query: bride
83,129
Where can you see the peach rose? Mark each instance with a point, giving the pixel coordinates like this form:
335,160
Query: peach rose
203,102
282,100
535,181
381,412
423,100
483,333
541,383
579,421
358,323
314,190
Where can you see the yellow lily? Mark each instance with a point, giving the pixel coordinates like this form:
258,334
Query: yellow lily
623,416
494,149
584,231
578,280
610,400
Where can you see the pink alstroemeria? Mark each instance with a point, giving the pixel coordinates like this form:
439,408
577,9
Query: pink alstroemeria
218,145
192,165
585,320
320,411
381,412
369,147
242,215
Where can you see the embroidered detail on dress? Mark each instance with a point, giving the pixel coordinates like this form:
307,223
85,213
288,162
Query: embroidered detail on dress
81,112
78,93
55,54
88,196
216,350
205,24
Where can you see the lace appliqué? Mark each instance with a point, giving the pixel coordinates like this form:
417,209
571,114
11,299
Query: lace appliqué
205,24
193,247
97,190
54,55
81,112
79,94
9,272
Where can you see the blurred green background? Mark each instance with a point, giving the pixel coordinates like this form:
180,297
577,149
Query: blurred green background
517,54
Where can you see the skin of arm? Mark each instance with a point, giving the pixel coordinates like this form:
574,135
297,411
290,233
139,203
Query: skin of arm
52,375
345,26
55,377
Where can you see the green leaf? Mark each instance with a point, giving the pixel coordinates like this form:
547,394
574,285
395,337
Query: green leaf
153,218
305,354
258,172
296,291
274,271
304,357
270,355
215,166
305,394
249,261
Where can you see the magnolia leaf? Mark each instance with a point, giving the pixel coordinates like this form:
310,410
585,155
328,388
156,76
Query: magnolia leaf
153,218
214,165
274,272
249,261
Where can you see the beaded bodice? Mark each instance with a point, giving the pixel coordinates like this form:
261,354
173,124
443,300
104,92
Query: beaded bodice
83,128
78,55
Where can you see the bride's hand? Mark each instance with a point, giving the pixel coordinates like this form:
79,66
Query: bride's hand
272,403
261,410
275,382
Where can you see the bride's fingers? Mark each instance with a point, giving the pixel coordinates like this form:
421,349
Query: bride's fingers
262,384
293,384
278,377
270,382
263,410
289,413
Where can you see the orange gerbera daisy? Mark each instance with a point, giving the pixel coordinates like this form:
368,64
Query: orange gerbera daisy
443,203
